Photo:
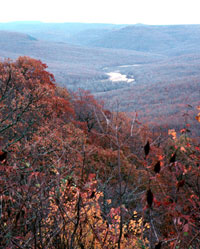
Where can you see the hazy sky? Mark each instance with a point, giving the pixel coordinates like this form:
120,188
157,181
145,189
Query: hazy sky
104,11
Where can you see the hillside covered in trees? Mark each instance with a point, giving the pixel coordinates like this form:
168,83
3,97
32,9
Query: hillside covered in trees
74,174
161,63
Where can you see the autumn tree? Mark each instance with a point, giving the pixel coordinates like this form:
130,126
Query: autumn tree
74,175
25,89
30,113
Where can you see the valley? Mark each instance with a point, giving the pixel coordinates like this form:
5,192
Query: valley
153,70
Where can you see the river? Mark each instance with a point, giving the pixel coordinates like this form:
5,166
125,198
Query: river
116,77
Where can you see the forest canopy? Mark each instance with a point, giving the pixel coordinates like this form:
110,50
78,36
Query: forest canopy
75,175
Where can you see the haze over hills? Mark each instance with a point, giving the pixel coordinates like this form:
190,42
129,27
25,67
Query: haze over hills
146,38
163,61
58,32
164,39
71,64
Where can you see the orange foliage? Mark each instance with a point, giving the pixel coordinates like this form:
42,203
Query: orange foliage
73,175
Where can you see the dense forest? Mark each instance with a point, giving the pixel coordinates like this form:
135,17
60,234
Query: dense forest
74,174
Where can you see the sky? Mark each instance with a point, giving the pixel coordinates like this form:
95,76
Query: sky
102,11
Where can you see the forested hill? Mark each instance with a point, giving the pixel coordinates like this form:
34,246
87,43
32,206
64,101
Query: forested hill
162,63
165,39
74,66
76,175
146,38
57,32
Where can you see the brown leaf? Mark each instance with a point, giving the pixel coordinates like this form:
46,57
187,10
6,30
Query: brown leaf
157,167
180,184
173,158
149,198
3,155
158,245
92,195
147,148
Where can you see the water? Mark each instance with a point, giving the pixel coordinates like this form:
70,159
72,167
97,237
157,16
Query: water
116,77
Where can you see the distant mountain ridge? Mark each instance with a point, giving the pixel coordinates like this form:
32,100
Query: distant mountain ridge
146,38
58,32
162,39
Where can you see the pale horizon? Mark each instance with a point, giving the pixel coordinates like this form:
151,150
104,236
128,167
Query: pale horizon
111,23
154,12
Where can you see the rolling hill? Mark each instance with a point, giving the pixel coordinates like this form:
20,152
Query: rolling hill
57,32
164,62
73,65
169,40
